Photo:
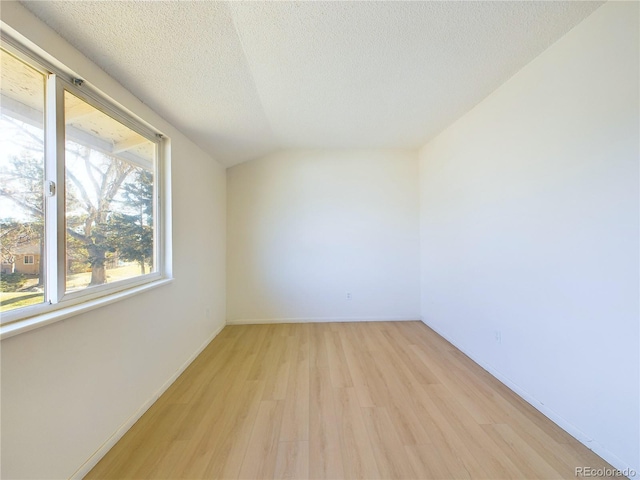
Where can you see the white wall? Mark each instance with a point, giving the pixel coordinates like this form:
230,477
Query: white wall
67,387
306,227
529,227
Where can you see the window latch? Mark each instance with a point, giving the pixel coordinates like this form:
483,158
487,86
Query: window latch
50,189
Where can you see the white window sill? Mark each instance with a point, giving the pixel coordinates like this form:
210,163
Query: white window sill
22,326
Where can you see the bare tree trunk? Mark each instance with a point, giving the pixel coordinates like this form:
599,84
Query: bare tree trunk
41,265
98,275
98,256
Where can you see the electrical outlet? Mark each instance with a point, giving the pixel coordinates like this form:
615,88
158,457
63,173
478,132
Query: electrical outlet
498,336
349,296
207,312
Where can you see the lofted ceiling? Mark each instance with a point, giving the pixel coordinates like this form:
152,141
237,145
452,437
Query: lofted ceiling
243,79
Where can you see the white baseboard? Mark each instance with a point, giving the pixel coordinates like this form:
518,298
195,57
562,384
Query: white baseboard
119,433
568,427
263,321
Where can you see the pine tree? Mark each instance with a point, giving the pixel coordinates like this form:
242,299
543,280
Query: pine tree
131,234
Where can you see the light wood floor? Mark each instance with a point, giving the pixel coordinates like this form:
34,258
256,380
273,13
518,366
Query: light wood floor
357,400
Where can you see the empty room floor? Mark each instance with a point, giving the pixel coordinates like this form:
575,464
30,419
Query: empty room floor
341,400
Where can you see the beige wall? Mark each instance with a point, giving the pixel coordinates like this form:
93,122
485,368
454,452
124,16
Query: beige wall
27,268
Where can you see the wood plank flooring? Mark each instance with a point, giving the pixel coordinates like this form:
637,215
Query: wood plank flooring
388,400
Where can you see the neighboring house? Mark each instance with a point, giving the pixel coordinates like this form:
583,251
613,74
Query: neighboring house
25,259
6,267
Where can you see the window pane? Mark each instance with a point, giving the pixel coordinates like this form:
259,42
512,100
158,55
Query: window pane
109,198
22,89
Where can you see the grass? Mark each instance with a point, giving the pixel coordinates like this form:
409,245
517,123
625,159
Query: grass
11,300
77,281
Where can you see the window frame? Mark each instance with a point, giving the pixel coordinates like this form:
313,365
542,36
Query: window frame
32,262
57,82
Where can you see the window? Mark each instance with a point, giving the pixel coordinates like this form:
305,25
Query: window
79,191
109,176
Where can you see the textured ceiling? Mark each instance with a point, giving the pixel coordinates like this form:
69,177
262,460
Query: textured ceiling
243,79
